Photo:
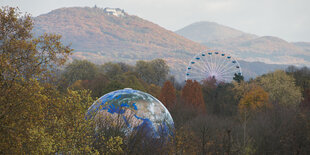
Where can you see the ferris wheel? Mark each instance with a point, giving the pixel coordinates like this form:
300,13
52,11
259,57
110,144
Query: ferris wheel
213,64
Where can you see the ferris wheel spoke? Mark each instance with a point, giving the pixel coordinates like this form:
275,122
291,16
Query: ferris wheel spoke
230,73
234,69
221,65
228,68
209,63
215,64
226,65
206,64
198,73
198,66
217,59
202,60
228,76
200,63
212,62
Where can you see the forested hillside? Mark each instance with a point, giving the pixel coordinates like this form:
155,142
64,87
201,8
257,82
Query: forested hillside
43,108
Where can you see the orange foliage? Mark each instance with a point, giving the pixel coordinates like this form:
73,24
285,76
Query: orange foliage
192,95
168,95
254,100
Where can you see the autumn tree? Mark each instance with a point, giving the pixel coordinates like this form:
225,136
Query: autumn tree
153,72
130,80
192,95
302,78
67,125
79,70
281,88
210,94
168,95
252,101
111,70
154,90
219,97
35,117
25,63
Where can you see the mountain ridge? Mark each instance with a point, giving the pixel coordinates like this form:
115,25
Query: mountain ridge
101,38
210,31
249,47
94,25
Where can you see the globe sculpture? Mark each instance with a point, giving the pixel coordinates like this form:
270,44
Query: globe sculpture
135,109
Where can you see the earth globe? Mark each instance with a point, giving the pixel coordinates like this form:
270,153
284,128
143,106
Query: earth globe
133,110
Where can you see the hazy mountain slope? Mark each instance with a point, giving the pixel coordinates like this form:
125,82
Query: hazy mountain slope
100,38
213,32
304,45
92,30
245,46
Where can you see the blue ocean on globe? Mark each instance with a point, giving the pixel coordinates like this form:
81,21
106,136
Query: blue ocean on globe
135,109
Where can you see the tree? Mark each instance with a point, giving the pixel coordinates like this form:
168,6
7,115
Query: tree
96,85
306,100
23,56
192,95
79,70
35,117
26,65
153,72
238,77
67,125
281,88
252,101
167,95
125,67
161,70
302,77
219,98
111,70
130,80
210,95
154,90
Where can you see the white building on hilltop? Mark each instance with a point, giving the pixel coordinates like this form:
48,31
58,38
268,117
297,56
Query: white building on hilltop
114,11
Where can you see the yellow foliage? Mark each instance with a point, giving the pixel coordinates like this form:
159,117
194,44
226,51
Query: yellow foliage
113,145
183,142
254,100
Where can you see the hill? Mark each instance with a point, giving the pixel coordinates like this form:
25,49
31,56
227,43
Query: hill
212,32
246,46
304,45
101,37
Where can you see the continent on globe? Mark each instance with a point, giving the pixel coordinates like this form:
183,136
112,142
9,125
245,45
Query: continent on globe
132,110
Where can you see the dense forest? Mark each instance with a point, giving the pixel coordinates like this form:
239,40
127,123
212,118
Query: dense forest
44,98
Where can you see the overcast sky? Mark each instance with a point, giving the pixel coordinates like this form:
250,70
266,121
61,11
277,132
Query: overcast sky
287,19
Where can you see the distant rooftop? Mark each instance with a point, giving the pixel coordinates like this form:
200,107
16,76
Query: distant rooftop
114,11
